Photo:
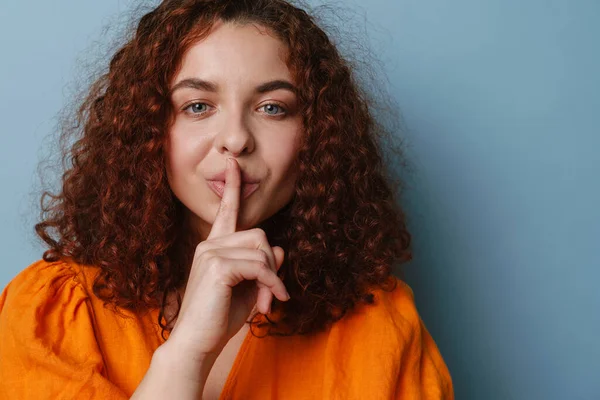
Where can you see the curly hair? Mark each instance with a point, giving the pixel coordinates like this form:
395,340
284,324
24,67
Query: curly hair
342,231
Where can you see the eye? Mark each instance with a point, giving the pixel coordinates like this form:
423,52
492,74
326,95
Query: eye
271,109
196,108
201,108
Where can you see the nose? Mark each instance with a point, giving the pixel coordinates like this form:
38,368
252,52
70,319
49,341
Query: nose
235,138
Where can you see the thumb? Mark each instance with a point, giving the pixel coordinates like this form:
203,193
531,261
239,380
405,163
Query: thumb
279,254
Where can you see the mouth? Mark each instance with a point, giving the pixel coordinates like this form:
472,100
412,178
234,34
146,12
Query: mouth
219,186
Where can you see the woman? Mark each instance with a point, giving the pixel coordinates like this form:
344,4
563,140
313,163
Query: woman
227,182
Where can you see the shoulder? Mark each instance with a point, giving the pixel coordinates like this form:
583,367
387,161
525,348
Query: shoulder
391,335
393,311
390,324
44,292
43,280
399,302
48,335
43,304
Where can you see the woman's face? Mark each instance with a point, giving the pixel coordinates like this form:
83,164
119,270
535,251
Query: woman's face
233,98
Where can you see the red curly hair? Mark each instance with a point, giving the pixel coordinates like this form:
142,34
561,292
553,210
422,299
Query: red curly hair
342,231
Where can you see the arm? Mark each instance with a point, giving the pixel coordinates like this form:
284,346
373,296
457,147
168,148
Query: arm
171,377
423,373
48,347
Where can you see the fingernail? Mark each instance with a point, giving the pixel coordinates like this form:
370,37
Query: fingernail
288,295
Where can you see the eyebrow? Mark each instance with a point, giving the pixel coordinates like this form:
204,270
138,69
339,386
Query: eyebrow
208,86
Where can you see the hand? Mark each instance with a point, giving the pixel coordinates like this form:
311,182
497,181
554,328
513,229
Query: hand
220,292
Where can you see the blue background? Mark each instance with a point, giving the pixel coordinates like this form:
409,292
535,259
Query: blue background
500,100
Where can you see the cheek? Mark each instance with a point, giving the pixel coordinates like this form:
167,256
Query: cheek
184,152
283,148
281,162
282,156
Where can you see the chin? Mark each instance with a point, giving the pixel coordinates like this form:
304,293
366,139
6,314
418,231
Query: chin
245,221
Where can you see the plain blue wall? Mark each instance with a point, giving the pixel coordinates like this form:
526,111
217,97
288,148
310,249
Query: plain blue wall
501,103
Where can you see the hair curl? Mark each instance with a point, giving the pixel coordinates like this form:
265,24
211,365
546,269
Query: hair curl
342,231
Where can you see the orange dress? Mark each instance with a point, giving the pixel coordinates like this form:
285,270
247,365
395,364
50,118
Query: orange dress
57,341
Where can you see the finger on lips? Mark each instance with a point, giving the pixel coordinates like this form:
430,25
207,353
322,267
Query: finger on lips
226,219
226,224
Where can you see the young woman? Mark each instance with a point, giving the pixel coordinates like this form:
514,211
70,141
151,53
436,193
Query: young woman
225,228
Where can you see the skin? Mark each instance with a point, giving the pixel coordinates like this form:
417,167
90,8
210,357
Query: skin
244,132
260,131
181,366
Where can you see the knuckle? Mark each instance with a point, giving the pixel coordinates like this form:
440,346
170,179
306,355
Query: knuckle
260,234
262,265
263,257
205,254
213,261
200,248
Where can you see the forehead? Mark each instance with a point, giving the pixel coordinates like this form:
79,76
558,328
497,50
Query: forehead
235,52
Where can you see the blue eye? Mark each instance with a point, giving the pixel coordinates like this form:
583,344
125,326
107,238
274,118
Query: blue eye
201,108
271,106
194,106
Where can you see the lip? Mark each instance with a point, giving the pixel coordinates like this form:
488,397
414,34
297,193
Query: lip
220,177
219,186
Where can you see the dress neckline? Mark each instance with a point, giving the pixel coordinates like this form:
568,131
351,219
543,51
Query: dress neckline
237,363
235,367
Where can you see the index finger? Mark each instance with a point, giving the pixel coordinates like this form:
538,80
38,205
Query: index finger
226,219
